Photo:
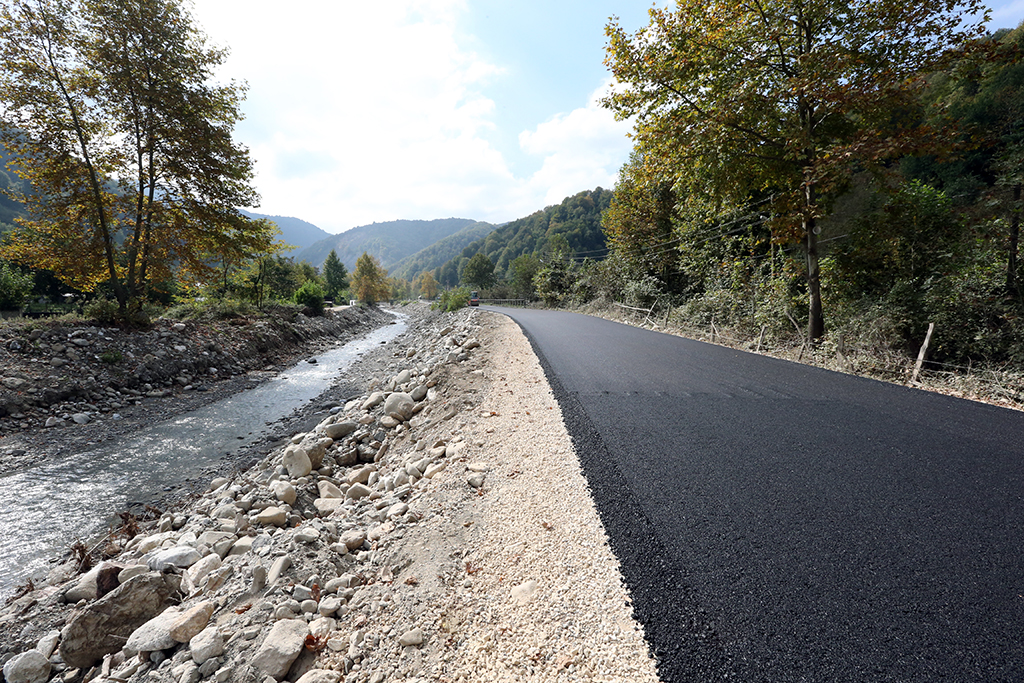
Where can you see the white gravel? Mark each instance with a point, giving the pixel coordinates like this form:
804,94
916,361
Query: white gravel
514,581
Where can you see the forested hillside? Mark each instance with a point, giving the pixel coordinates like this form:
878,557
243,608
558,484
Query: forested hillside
388,242
294,231
575,223
9,208
440,252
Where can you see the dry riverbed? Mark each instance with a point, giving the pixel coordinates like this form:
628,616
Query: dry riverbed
432,526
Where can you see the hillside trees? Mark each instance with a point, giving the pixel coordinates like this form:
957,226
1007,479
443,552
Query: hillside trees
335,276
479,272
370,280
782,99
426,285
126,142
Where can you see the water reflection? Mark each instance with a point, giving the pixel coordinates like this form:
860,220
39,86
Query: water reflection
45,508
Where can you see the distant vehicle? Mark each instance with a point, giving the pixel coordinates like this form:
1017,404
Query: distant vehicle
474,298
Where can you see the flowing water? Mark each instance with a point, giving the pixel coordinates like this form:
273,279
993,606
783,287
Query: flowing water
45,508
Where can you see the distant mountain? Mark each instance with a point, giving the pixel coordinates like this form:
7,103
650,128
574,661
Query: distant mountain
439,252
390,242
577,219
294,231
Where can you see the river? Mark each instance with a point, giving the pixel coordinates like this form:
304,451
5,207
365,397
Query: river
45,508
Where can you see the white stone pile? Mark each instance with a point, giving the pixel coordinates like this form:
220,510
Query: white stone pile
254,580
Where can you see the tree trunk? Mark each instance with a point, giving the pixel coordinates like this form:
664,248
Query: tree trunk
815,320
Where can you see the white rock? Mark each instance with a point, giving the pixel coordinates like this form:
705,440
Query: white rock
524,592
180,556
320,676
81,418
277,569
48,643
284,491
399,405
326,506
413,637
281,647
357,491
191,622
130,571
273,516
375,399
206,645
297,462
155,634
329,490
28,667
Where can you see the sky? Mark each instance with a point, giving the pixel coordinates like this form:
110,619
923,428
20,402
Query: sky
360,112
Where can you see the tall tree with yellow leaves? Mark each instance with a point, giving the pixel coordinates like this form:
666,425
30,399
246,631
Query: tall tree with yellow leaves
111,110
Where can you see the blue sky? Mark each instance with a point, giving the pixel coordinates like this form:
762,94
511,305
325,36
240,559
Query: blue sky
360,112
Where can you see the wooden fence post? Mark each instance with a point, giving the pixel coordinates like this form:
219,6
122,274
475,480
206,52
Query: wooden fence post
922,352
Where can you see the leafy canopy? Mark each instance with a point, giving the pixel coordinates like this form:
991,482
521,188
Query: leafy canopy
783,98
126,143
370,280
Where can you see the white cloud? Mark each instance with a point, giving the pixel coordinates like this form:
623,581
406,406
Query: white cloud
360,112
581,150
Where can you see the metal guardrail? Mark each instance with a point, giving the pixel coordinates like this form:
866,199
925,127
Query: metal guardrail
505,302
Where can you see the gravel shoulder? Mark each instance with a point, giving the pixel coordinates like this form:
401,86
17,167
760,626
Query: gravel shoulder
489,564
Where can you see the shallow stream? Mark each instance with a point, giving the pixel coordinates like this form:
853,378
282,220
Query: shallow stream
47,507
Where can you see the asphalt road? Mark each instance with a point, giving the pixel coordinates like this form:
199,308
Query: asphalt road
778,522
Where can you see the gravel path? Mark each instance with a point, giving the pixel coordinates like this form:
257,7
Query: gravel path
520,574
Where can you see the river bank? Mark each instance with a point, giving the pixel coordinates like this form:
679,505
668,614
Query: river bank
434,527
67,387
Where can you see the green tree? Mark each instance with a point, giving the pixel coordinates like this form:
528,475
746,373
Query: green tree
524,268
311,295
370,280
783,98
14,287
336,275
427,285
110,109
479,271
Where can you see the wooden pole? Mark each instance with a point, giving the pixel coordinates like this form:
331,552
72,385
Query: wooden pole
922,352
760,339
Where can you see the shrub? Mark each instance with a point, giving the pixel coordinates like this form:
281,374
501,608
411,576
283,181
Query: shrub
452,300
14,287
103,311
311,295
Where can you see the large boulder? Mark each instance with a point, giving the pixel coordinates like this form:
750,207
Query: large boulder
399,405
28,667
104,626
297,462
339,430
281,648
95,583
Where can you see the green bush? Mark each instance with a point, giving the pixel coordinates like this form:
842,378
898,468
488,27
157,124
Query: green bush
311,295
452,300
214,308
14,287
103,311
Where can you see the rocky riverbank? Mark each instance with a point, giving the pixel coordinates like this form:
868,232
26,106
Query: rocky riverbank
66,387
435,527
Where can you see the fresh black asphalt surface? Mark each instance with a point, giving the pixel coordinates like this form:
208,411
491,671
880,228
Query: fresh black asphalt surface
778,522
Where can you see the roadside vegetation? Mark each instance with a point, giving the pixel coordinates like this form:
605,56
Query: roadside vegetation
848,194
